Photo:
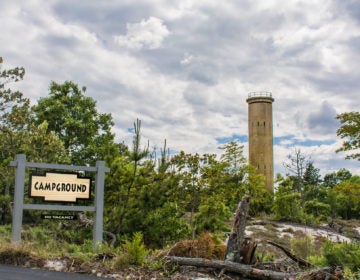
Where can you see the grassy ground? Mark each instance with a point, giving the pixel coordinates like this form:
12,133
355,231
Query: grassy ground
58,250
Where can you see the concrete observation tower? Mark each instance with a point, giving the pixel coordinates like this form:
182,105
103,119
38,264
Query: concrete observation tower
260,127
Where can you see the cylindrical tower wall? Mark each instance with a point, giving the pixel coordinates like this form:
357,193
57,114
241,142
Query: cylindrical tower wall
260,126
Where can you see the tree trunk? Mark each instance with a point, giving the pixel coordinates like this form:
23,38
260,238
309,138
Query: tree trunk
238,248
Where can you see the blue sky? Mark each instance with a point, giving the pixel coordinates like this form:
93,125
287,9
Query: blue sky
185,67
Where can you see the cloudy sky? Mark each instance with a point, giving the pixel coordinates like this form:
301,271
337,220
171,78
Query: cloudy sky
186,67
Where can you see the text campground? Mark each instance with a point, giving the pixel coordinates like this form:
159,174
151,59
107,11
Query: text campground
66,187
60,187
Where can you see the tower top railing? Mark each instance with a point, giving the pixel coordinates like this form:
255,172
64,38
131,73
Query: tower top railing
260,94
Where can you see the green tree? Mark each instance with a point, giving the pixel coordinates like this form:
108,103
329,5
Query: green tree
287,204
191,183
234,172
314,194
332,179
348,198
14,121
130,172
350,130
18,134
75,120
254,185
311,175
240,179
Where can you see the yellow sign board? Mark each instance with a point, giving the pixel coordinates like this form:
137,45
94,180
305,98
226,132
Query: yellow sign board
64,187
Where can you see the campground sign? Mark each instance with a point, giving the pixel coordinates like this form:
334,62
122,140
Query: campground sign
64,187
59,188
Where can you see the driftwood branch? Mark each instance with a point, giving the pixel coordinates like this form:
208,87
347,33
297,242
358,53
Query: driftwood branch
300,261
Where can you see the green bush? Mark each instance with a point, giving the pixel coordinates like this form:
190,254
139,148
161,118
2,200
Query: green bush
317,260
5,234
163,226
213,216
318,209
344,254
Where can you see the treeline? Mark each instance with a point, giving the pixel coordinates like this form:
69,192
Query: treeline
165,196
308,198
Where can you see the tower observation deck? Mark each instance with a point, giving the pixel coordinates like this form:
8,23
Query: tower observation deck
260,126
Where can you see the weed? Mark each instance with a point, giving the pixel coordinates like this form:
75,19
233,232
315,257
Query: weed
135,249
303,246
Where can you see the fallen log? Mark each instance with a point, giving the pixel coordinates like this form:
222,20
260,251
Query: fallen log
243,270
250,272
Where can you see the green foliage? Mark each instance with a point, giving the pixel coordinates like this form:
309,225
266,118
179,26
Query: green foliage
74,119
332,179
344,254
14,124
318,209
5,234
164,226
254,185
213,216
351,275
131,172
317,260
350,130
346,198
19,134
287,205
264,256
311,175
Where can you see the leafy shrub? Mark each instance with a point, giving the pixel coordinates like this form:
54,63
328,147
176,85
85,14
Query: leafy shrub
317,208
163,225
213,216
264,256
317,260
351,275
287,207
344,254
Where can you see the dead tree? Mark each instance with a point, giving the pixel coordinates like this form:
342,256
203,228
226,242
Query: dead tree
240,254
239,249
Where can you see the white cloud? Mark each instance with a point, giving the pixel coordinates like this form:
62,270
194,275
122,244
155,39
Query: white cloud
147,34
205,57
187,59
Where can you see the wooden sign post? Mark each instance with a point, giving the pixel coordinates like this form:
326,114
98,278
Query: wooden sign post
58,187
